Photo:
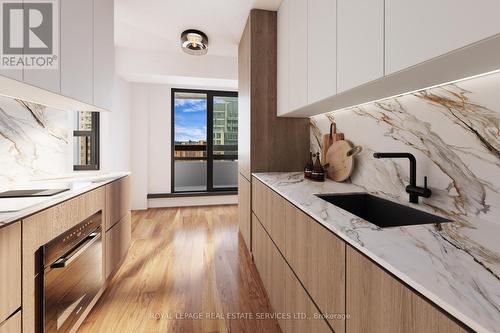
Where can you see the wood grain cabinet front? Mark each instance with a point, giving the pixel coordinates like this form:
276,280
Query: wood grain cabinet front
117,244
117,201
317,257
377,302
12,325
10,270
244,210
269,208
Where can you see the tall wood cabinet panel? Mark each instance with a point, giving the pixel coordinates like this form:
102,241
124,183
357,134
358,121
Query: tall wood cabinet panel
416,31
377,302
244,209
282,57
297,54
104,53
10,270
265,142
77,49
317,257
321,49
360,42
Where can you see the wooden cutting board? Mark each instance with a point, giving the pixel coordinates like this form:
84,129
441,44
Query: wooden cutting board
340,159
328,139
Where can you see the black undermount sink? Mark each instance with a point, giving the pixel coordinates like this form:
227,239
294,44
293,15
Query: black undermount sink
381,212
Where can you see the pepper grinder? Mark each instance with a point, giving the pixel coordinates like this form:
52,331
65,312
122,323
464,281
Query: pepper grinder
318,173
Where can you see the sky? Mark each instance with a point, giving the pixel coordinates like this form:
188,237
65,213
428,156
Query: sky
190,119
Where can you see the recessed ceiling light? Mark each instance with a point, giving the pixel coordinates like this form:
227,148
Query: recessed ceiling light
194,42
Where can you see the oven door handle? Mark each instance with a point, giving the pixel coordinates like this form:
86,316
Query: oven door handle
69,257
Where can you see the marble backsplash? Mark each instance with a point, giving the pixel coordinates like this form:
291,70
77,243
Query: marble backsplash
452,130
34,141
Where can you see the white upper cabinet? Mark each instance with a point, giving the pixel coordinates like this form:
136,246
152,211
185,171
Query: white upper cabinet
104,53
282,58
297,54
321,49
77,49
49,79
420,30
360,43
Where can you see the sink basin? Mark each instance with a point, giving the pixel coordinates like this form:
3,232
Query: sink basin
381,212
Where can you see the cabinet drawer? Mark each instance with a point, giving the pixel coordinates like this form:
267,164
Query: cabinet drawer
317,257
269,208
117,201
12,325
377,302
10,270
117,244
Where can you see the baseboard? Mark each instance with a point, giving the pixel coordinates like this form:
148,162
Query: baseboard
192,201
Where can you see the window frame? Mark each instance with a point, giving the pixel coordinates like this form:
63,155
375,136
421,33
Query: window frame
210,140
93,134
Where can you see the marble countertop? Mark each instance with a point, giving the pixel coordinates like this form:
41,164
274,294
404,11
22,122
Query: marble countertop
14,209
458,267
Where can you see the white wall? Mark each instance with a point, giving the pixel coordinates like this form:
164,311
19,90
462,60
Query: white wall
151,143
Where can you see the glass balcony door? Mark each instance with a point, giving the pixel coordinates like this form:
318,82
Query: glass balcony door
205,141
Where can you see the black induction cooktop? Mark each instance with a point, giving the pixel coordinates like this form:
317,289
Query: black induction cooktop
32,193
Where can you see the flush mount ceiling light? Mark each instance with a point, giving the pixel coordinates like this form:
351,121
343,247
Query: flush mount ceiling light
194,42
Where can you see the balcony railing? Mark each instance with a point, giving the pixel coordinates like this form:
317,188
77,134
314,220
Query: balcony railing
199,152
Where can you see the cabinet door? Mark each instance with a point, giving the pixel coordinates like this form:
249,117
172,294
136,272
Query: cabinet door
104,53
317,257
298,303
377,302
269,207
297,54
76,49
10,270
117,201
322,49
420,30
117,244
12,325
360,42
282,57
244,213
271,267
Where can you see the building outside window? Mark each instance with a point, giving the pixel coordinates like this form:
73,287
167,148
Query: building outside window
86,141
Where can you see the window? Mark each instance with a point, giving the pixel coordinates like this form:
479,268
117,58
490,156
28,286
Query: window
86,141
204,141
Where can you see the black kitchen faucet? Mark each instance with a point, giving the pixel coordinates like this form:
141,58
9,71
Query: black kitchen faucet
413,190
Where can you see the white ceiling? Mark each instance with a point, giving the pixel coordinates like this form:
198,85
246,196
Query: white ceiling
156,25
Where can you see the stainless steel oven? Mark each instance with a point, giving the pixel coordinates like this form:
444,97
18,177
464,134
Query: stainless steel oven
71,274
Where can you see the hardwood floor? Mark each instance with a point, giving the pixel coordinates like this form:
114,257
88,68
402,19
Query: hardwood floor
182,262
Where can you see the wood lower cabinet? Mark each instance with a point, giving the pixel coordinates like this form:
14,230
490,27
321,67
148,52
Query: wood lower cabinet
12,325
117,244
117,201
271,267
290,302
10,270
377,302
269,207
317,257
244,213
305,317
